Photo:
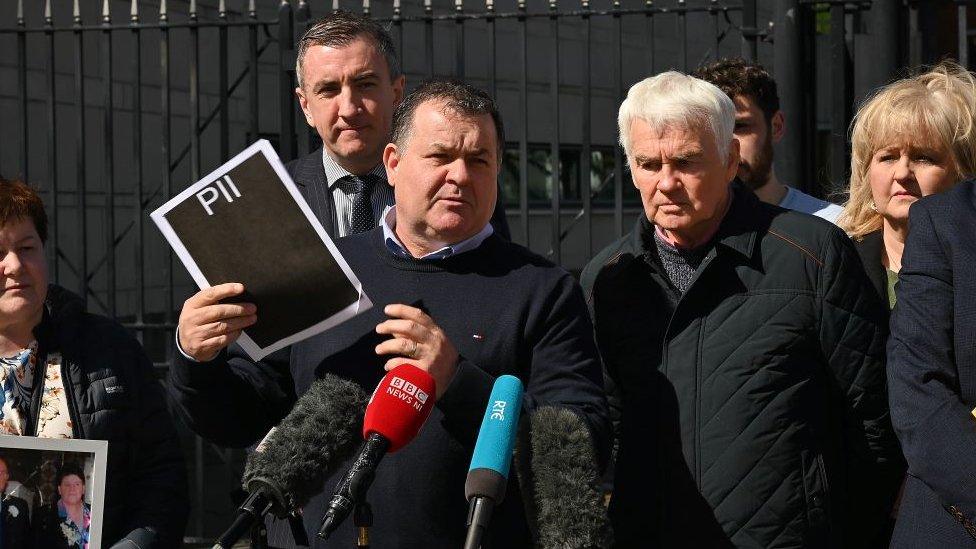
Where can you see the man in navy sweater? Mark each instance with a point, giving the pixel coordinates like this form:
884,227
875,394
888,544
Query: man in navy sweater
451,296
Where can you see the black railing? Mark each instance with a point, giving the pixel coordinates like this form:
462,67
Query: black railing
117,108
89,184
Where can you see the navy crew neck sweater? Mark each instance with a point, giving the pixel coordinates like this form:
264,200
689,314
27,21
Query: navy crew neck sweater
506,310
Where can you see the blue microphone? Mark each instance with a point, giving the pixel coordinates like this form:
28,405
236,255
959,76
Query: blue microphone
488,475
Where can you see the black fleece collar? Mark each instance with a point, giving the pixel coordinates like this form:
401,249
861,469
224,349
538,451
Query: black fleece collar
60,307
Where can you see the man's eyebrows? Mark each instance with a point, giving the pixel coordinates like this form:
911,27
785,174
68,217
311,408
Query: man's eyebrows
683,154
325,83
366,75
690,153
438,147
334,82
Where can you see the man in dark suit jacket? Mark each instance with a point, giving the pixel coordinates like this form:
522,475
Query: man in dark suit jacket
349,82
14,514
932,372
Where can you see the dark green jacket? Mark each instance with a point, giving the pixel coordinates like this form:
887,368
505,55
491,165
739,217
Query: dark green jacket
751,411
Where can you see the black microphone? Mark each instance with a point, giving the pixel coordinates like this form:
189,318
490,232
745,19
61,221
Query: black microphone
396,412
293,460
570,509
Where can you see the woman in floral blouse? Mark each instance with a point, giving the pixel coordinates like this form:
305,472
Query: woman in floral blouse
67,373
64,524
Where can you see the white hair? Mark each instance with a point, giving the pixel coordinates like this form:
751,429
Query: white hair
674,99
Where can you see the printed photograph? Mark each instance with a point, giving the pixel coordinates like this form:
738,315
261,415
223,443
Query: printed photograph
51,492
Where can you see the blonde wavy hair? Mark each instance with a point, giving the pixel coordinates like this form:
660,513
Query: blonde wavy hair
936,108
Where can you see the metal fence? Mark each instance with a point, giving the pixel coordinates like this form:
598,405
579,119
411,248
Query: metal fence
117,106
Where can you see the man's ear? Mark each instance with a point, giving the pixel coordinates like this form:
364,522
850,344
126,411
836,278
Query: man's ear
391,159
398,85
303,102
733,159
777,126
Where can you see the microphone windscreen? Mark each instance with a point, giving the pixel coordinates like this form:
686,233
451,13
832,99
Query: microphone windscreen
320,432
400,405
492,456
570,508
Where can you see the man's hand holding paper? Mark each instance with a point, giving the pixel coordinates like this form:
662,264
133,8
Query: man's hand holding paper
261,233
207,326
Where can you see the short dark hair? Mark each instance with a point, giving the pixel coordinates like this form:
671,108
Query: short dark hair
69,468
18,201
457,97
339,28
736,76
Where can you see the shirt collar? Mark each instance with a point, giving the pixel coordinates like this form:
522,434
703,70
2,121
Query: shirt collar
388,222
334,172
739,231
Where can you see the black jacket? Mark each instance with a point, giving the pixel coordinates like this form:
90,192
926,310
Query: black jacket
932,372
47,533
506,310
752,409
870,249
308,174
113,395
16,522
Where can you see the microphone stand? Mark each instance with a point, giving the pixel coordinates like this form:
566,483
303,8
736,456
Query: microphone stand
352,488
298,530
253,510
479,513
363,518
259,536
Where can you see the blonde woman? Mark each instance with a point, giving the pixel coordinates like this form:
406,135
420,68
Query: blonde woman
913,138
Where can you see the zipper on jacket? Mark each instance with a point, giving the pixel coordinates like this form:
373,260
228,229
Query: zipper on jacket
709,259
37,391
69,397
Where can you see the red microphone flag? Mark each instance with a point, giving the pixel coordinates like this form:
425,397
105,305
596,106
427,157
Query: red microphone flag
400,405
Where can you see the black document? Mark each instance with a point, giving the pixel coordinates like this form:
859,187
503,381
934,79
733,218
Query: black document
247,222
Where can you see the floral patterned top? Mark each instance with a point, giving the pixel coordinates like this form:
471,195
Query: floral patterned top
75,535
17,379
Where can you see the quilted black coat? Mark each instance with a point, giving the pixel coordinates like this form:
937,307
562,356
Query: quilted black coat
751,411
113,395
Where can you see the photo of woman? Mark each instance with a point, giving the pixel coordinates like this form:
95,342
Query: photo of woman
64,523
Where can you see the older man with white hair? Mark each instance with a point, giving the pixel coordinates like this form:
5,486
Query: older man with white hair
744,350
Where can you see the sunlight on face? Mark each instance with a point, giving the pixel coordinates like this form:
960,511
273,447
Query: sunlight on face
683,182
903,172
445,174
349,97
